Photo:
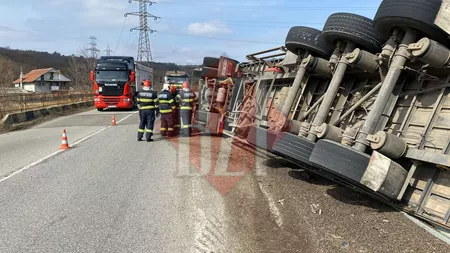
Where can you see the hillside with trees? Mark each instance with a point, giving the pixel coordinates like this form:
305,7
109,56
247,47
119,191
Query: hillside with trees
76,67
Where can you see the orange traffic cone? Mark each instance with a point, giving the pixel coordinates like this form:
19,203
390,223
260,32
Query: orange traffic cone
114,120
64,142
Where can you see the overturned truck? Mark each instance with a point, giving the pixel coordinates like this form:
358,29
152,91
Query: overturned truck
218,90
363,102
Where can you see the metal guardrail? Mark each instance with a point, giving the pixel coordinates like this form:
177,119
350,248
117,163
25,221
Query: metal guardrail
22,102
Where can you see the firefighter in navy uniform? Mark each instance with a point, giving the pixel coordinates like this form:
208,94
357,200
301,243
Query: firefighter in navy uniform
187,101
148,111
166,108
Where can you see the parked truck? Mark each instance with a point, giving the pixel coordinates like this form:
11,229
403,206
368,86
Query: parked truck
176,78
362,102
116,80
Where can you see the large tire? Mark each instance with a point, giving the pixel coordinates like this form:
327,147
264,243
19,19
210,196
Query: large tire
293,147
213,62
416,14
300,37
340,160
209,72
352,27
261,138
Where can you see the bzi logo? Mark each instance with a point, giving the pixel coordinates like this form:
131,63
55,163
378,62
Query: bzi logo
110,84
222,161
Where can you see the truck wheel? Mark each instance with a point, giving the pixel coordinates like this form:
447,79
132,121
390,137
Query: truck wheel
341,160
261,138
417,14
209,72
352,27
100,110
300,37
294,147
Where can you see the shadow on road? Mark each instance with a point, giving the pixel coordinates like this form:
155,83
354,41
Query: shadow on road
309,177
278,163
352,197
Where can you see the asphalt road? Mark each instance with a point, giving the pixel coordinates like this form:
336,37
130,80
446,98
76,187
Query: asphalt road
109,193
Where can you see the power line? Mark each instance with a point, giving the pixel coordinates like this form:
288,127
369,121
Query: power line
144,48
244,21
121,32
223,39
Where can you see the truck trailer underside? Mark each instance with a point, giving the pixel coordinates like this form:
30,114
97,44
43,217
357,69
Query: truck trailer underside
365,103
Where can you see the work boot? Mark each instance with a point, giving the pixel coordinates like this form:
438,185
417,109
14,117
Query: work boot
149,140
139,139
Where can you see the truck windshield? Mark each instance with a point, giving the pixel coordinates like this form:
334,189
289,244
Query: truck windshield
111,76
177,79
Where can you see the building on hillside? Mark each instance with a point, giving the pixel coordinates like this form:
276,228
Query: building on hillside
43,81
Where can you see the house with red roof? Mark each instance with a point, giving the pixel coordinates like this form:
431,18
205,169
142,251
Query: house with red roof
43,81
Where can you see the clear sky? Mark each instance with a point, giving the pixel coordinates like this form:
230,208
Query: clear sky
187,31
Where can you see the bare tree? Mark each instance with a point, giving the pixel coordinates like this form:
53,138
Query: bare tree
80,67
10,71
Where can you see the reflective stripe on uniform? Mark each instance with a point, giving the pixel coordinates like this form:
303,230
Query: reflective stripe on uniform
166,111
140,130
186,108
186,126
149,131
150,107
166,101
170,129
188,100
162,129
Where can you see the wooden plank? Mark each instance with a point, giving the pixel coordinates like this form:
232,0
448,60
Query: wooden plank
421,116
442,185
443,17
437,138
421,177
412,197
437,206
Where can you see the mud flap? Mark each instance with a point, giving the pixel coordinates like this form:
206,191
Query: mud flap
384,176
346,165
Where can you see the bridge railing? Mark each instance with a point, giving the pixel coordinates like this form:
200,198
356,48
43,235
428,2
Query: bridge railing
22,102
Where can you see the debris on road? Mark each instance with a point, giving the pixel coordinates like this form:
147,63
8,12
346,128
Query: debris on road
315,209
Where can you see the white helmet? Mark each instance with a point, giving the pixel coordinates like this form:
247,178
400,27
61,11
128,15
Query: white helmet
166,86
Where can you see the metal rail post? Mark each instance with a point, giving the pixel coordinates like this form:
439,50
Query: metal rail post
395,69
332,91
292,93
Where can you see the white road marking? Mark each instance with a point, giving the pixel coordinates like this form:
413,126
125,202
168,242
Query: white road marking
272,206
31,165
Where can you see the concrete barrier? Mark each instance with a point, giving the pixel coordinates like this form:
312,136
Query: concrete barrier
21,117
